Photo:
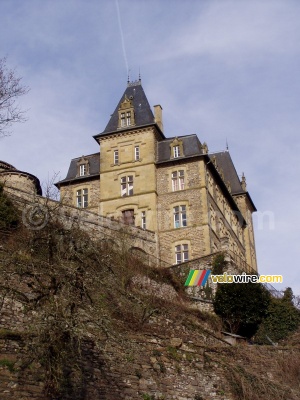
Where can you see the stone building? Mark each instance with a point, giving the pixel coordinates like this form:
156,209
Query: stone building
193,200
20,180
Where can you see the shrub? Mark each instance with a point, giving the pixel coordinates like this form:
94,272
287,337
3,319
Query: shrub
9,217
218,264
241,306
282,318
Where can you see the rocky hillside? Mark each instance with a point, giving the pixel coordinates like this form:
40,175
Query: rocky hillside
83,319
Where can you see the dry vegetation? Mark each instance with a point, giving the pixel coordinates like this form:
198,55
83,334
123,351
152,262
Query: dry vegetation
269,376
71,290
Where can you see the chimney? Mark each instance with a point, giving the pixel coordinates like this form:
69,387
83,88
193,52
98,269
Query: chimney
158,116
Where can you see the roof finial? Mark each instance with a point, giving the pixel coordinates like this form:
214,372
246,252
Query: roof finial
243,182
140,74
128,76
227,147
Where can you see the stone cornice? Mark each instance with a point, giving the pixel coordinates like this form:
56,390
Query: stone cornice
134,131
130,131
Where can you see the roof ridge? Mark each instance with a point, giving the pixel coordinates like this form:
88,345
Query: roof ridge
218,152
88,155
181,136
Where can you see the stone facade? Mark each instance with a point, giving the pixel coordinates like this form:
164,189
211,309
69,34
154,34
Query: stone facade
248,232
141,169
191,199
16,179
68,193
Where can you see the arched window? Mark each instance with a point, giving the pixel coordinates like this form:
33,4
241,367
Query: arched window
127,185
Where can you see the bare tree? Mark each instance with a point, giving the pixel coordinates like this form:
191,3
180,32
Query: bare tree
10,90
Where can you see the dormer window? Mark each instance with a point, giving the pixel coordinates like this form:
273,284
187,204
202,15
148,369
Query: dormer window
123,121
126,113
82,170
128,118
176,151
83,167
176,148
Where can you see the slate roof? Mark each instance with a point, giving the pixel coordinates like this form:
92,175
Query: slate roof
224,162
142,109
5,166
191,148
94,162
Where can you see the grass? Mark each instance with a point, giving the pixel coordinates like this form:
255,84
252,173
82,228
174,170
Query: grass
10,335
249,386
173,353
7,363
288,367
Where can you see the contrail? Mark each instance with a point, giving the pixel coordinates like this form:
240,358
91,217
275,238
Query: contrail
122,37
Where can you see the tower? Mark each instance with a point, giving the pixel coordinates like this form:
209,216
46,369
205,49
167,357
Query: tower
128,160
193,200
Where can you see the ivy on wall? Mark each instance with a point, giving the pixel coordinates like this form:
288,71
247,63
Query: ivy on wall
9,217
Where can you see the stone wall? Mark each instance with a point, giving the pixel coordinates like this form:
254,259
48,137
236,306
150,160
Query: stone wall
142,171
248,233
97,226
224,222
68,193
196,233
18,180
188,365
174,358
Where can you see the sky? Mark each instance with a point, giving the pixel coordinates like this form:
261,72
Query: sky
227,70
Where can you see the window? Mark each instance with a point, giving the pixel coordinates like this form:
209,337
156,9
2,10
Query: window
123,122
178,180
128,118
82,169
176,151
125,119
126,113
179,213
116,156
176,147
128,217
82,198
181,253
137,153
127,186
143,224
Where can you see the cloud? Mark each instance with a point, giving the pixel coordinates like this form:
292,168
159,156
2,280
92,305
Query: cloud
235,32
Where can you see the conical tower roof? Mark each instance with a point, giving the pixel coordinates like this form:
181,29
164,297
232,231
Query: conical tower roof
143,114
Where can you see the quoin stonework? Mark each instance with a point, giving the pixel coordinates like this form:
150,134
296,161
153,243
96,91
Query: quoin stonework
191,199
